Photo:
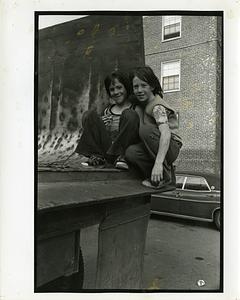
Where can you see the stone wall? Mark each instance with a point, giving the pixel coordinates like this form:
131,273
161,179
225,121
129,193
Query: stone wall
73,60
199,99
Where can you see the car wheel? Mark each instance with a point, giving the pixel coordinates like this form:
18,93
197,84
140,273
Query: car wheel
217,219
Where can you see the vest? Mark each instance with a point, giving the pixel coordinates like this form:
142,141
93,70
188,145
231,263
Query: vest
171,115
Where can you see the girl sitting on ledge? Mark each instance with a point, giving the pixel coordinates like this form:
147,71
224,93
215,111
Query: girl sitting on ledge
105,138
160,145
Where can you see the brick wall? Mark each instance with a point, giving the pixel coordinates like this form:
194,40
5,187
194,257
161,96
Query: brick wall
199,99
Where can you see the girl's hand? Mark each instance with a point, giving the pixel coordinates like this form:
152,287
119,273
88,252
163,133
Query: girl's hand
107,119
157,173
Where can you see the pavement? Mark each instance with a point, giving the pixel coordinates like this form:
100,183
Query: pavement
179,253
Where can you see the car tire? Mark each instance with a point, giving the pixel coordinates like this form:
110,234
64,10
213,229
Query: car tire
217,219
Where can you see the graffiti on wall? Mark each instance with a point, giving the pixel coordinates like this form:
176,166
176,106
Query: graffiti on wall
73,60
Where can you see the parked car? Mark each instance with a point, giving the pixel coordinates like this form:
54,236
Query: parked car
197,196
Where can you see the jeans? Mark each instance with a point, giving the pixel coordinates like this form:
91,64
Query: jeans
97,140
143,154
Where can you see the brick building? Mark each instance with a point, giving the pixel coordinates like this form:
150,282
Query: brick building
185,53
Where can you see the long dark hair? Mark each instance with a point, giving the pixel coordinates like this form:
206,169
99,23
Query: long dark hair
123,79
146,74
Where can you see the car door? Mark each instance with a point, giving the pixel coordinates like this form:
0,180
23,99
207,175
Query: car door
167,202
195,198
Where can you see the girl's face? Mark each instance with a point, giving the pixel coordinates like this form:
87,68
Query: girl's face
118,92
142,90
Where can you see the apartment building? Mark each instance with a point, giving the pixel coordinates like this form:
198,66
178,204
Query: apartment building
185,52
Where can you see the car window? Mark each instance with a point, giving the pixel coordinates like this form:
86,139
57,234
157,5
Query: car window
179,181
196,184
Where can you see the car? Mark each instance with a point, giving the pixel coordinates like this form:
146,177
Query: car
197,196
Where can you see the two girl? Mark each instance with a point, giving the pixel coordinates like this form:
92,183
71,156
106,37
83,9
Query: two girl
143,135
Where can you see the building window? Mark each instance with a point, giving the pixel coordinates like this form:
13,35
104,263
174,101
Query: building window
171,28
170,76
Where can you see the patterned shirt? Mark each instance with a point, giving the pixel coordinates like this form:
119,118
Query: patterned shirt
111,121
160,114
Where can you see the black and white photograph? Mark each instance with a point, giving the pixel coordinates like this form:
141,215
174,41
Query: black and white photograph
129,140
119,156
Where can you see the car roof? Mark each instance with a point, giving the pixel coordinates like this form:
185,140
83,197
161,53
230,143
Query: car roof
212,179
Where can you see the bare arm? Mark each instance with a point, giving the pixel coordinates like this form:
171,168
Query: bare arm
159,113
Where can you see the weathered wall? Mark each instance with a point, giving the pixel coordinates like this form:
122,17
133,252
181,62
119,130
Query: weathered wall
74,59
199,99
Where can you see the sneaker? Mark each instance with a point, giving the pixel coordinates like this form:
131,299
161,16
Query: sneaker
148,183
95,160
121,163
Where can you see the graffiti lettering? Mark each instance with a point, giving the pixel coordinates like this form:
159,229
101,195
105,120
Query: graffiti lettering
88,51
80,32
95,30
112,31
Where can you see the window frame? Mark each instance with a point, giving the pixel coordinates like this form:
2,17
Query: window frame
169,61
174,38
183,183
198,191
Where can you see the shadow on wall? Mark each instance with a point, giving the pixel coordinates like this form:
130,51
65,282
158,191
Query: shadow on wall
74,59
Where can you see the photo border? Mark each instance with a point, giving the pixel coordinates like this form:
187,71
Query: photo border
130,13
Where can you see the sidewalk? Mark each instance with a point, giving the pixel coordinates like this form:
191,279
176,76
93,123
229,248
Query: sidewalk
179,253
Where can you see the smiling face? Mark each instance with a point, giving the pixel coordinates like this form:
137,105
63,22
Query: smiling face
118,92
142,90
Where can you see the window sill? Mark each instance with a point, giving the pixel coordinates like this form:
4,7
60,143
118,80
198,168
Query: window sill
172,91
169,40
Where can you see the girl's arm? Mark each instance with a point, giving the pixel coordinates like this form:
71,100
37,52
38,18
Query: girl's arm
160,115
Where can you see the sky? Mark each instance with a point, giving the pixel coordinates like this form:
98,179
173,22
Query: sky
50,20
